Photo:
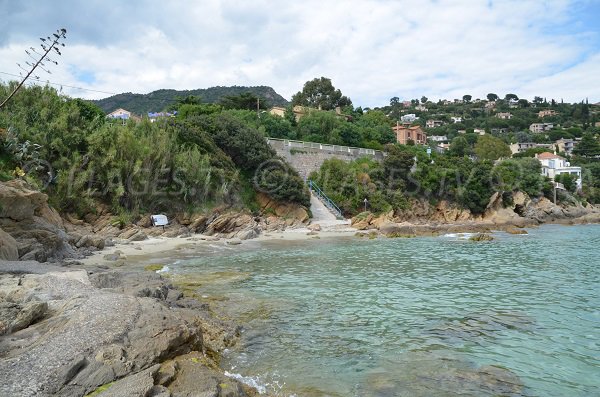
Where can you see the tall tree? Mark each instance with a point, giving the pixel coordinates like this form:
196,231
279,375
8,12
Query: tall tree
588,147
492,97
467,98
459,147
246,101
509,97
320,93
423,99
489,147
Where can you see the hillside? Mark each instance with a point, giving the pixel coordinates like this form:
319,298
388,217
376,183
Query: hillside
160,99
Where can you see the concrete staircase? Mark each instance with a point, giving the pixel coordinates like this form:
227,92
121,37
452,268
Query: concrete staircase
324,217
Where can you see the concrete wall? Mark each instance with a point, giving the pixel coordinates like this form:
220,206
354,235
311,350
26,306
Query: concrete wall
307,157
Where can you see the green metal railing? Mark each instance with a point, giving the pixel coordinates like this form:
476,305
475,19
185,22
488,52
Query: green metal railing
325,200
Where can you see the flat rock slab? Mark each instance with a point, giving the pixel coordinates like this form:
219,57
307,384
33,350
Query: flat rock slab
137,385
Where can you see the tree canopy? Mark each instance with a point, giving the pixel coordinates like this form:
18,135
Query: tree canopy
320,93
489,147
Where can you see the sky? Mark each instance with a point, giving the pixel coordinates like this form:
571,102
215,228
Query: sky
372,50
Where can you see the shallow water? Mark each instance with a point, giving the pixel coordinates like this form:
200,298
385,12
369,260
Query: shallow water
518,316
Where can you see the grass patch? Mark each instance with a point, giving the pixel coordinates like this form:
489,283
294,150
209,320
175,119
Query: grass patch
100,389
153,267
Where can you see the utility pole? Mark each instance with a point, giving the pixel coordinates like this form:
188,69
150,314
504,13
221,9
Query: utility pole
48,44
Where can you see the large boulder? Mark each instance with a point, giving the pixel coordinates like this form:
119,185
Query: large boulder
8,247
362,221
37,228
392,229
295,213
18,202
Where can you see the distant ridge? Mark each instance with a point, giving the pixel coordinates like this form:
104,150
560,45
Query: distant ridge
160,99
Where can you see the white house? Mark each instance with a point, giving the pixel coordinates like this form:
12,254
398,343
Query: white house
456,119
409,118
438,138
554,165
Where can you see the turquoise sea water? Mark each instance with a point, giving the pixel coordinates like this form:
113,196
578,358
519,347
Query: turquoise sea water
517,316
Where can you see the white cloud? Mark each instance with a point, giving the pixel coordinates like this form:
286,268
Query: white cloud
371,49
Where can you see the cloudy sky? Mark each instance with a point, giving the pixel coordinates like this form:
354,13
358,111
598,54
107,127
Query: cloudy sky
371,49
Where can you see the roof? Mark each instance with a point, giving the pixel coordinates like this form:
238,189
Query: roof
548,156
401,127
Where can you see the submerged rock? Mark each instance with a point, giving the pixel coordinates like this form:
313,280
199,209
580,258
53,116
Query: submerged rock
424,374
481,237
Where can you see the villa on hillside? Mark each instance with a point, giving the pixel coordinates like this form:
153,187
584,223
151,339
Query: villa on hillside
120,114
504,115
301,111
434,123
566,146
438,138
153,116
554,165
538,128
523,146
404,134
409,118
547,112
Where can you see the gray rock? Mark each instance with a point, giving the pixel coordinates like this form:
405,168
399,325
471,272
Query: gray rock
247,234
137,385
159,391
112,257
234,241
174,295
194,380
29,314
8,247
139,236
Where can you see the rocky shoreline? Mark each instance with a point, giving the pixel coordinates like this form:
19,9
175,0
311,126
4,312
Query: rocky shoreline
72,330
511,215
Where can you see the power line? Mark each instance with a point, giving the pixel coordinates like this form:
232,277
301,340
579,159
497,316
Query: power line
63,85
168,100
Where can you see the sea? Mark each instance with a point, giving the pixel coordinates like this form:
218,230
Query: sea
426,316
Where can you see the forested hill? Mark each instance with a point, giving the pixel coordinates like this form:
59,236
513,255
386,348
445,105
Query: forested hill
160,99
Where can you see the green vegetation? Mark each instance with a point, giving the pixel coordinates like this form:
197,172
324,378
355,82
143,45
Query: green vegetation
209,158
409,173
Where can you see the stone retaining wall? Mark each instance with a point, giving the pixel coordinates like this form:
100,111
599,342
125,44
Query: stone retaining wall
307,157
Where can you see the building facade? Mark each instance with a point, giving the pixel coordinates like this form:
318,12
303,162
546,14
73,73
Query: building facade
547,112
554,166
404,134
538,128
504,115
